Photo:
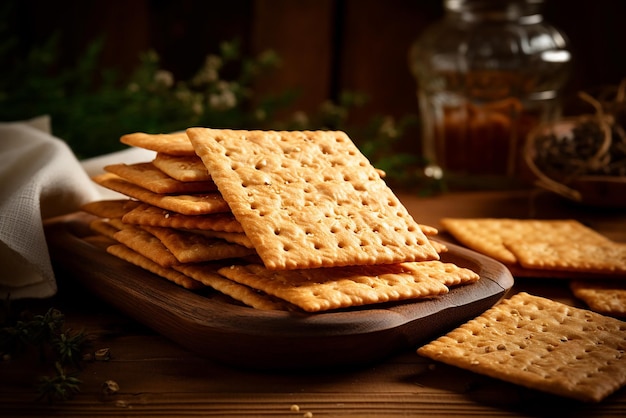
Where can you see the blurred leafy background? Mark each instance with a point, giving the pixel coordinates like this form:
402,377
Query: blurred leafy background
92,106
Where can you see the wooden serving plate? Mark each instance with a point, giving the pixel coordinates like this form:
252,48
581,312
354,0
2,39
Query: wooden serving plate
218,327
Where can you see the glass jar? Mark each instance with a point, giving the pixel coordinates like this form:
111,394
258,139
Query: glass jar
487,73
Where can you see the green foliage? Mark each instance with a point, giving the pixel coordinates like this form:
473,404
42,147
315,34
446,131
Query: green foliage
91,106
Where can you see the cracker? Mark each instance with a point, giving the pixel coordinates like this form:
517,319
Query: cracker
148,176
487,235
189,247
316,290
146,244
186,204
309,199
103,227
234,237
574,255
123,252
207,274
604,296
150,215
115,208
448,273
541,344
174,144
182,168
100,241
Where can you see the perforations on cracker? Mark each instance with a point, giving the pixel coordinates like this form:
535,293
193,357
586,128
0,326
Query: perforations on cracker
309,199
541,344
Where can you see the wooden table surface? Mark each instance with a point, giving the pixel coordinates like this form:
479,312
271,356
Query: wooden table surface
159,378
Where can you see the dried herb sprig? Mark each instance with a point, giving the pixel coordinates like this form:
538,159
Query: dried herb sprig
45,333
59,387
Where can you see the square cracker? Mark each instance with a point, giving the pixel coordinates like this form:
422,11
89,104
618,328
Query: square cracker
315,290
176,143
186,204
115,208
189,247
575,255
207,275
488,235
182,168
127,254
309,199
603,296
541,344
146,244
148,176
150,215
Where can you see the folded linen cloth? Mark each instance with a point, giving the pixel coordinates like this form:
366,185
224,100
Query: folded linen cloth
40,178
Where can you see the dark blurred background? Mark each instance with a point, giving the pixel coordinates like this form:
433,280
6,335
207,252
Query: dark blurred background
325,47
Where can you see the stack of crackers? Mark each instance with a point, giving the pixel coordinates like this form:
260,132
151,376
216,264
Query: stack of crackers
275,220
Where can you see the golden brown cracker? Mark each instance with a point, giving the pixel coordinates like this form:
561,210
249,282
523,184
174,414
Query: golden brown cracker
146,244
315,290
607,297
234,237
103,227
115,208
571,255
148,176
182,168
541,344
189,247
150,215
176,143
487,235
186,204
123,252
207,275
309,199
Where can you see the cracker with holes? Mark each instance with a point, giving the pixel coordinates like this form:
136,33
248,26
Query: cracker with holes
571,255
316,290
541,344
127,254
189,247
207,275
148,176
176,143
146,244
150,215
488,235
186,204
604,296
182,168
309,199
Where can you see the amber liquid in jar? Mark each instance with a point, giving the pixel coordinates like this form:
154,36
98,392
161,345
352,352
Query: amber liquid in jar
487,74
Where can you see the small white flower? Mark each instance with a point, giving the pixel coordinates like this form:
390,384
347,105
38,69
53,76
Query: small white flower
164,78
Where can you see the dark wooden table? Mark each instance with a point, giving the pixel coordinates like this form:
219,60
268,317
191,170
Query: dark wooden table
157,377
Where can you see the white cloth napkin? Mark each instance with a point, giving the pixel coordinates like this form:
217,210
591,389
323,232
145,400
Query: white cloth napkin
40,178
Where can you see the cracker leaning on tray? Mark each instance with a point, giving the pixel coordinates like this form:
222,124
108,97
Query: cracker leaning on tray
289,205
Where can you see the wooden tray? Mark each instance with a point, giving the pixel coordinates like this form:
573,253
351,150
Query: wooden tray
218,327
